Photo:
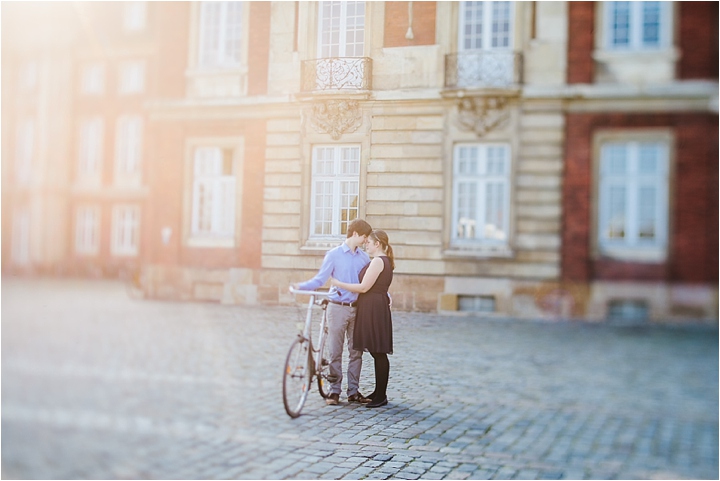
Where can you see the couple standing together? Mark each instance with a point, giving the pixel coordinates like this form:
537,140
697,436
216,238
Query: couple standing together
358,310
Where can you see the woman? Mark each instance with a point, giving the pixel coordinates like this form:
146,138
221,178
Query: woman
373,321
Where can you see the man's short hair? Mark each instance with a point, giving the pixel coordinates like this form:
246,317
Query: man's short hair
359,226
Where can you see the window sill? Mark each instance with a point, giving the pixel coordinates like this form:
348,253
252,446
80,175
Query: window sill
314,246
479,251
627,254
125,253
210,242
630,55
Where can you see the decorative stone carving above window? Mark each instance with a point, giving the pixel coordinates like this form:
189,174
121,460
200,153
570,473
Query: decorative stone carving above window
483,114
334,116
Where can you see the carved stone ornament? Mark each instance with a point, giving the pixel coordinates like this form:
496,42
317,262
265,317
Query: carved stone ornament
334,116
483,114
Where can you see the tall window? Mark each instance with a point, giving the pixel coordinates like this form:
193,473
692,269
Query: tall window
335,186
481,195
21,236
24,150
220,34
125,230
633,195
132,77
91,148
87,230
93,79
485,25
637,25
134,15
128,148
342,29
485,44
213,195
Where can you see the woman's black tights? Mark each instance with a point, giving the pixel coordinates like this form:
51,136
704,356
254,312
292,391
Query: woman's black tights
382,374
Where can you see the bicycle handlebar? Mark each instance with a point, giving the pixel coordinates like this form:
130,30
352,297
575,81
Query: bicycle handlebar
311,293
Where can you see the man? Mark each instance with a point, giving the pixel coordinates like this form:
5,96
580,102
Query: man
343,263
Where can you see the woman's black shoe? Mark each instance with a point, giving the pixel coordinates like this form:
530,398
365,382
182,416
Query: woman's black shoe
378,403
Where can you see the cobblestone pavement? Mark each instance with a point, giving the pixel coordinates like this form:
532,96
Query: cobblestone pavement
96,385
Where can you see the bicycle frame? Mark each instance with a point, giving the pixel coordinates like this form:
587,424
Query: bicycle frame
316,298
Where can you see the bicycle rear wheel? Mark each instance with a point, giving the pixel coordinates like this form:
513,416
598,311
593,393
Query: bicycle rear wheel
323,370
297,376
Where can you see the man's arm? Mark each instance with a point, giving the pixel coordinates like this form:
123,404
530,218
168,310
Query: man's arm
321,277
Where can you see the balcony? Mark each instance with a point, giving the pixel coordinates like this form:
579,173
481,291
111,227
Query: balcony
483,69
336,73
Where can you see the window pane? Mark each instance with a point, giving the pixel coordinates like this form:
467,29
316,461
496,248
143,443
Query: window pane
495,161
651,24
467,162
501,24
348,204
323,207
647,212
616,210
614,160
649,158
466,210
620,23
494,211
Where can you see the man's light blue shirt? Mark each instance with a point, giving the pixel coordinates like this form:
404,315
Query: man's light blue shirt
344,265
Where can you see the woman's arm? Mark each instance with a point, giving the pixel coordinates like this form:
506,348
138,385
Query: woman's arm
371,275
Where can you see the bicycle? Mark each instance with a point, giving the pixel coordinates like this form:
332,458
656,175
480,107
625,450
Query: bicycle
305,362
133,279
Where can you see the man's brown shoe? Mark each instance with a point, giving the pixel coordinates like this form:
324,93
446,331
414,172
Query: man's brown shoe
358,398
332,399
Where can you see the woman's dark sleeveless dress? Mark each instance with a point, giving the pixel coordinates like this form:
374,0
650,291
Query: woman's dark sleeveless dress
373,321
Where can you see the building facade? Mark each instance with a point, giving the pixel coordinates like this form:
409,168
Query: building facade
528,159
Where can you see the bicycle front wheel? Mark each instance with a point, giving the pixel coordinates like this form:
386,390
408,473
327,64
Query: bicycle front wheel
297,376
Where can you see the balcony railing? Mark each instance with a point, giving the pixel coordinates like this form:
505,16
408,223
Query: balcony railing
336,73
483,69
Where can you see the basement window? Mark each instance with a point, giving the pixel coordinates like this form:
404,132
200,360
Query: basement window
628,310
476,303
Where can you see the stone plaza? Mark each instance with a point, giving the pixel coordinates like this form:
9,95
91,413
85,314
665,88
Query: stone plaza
97,385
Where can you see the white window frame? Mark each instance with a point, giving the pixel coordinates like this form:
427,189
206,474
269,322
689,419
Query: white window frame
340,176
21,236
87,230
90,152
128,149
125,230
489,19
631,246
343,25
480,179
134,16
221,31
636,29
213,215
24,150
93,79
131,79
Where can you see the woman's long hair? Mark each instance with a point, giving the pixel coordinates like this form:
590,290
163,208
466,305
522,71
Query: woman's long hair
382,237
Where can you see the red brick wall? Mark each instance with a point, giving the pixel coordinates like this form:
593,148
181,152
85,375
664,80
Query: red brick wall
581,40
168,191
258,48
173,43
396,24
693,254
698,40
